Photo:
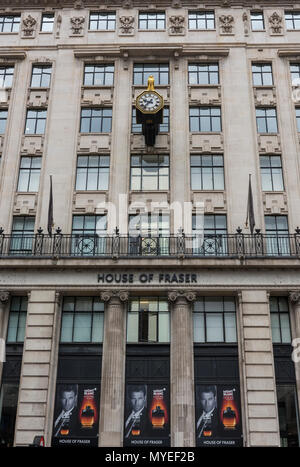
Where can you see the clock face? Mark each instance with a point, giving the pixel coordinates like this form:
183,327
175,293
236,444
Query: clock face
149,102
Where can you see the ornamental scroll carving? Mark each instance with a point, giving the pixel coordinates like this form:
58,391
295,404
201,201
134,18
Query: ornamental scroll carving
4,296
189,295
275,21
176,25
77,24
28,26
226,24
295,297
107,295
126,24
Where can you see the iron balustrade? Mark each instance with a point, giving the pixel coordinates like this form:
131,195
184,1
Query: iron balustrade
236,245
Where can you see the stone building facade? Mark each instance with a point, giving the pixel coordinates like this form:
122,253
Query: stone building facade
119,293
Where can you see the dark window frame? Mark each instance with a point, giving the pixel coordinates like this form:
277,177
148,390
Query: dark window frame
17,307
266,119
213,119
148,165
105,74
202,166
47,18
261,74
38,118
210,73
197,16
106,17
7,75
291,17
261,20
16,21
164,127
3,120
279,312
89,167
103,119
145,17
42,74
30,171
270,169
297,110
155,69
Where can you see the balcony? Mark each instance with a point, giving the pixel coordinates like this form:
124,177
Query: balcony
234,246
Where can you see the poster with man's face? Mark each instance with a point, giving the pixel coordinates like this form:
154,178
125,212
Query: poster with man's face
147,415
76,415
218,415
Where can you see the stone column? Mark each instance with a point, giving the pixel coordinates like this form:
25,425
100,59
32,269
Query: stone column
258,374
4,297
113,369
295,303
38,369
182,370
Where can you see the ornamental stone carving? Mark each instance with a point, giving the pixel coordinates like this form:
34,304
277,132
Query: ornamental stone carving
176,4
246,24
188,295
126,24
176,25
107,295
127,4
4,296
275,21
28,26
295,297
77,24
226,24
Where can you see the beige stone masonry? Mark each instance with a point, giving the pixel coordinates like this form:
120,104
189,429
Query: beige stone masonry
258,367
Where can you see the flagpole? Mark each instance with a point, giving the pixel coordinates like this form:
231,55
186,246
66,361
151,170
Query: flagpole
50,209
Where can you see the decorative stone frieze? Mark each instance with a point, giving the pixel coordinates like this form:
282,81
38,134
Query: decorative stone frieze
28,26
107,295
188,295
4,297
177,25
127,25
275,21
77,24
226,24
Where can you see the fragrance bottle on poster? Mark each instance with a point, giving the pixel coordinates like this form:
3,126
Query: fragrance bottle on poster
158,417
207,430
65,428
229,419
87,417
136,428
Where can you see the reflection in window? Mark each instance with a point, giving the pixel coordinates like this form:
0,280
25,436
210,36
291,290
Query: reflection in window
17,320
8,411
203,73
207,172
280,320
142,71
92,173
149,172
277,232
288,415
98,75
89,235
148,320
205,119
271,173
257,21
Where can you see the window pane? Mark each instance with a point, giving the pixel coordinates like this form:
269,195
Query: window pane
164,327
12,327
199,334
132,327
82,327
214,327
67,327
152,327
275,328
230,327
285,328
97,331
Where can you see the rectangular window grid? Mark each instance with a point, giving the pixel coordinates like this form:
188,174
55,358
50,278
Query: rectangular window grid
212,242
280,320
89,235
203,73
164,127
152,21
29,174
96,120
292,19
257,21
98,75
103,21
142,71
215,320
35,122
271,173
22,235
92,173
277,235
17,320
149,172
148,320
207,172
10,23
149,234
41,76
295,73
201,20
266,120
47,22
6,76
298,118
82,320
205,119
262,74
3,119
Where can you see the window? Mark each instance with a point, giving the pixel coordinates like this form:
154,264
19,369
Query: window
207,172
295,73
149,234
92,173
35,122
6,76
142,71
41,76
277,235
280,320
262,74
98,75
149,172
210,240
298,118
29,174
96,120
8,410
215,320
292,19
3,119
47,22
205,119
103,21
271,173
257,21
17,320
203,73
82,320
201,20
10,23
22,235
148,320
288,414
155,20
89,235
266,120
164,127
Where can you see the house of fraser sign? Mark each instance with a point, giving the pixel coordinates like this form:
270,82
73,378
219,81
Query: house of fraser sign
147,278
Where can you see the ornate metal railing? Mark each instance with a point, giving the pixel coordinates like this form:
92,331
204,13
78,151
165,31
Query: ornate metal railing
236,245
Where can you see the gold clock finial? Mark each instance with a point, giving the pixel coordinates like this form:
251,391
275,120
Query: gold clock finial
150,83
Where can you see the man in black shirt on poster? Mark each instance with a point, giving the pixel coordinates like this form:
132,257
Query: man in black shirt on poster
207,422
136,421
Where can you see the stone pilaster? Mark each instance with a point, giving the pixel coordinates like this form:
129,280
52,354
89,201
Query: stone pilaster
182,370
295,304
4,297
37,372
113,369
262,426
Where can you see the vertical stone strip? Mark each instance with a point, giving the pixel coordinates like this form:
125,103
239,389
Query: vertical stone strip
113,369
4,297
259,374
182,370
36,375
295,303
